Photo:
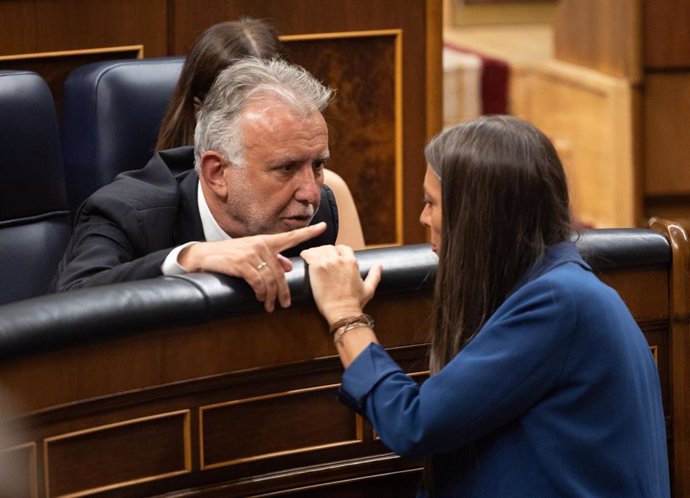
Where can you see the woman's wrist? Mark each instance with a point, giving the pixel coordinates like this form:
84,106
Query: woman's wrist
341,313
350,320
351,344
347,324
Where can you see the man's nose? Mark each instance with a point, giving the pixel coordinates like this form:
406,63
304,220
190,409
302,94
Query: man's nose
308,186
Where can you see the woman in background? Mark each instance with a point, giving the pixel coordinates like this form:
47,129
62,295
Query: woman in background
542,384
217,48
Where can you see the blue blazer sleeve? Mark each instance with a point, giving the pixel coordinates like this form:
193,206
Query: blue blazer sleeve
512,362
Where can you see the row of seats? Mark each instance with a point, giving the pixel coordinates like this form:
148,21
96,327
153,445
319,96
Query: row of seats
111,113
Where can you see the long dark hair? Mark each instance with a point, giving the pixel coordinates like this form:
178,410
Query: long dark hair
217,48
504,200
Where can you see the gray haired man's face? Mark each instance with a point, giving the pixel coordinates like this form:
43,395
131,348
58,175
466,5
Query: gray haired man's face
278,188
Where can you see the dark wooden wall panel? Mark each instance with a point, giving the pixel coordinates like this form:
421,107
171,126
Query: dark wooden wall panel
127,453
666,34
362,120
275,425
56,25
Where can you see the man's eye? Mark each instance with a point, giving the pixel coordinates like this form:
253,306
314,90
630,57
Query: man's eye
285,168
318,165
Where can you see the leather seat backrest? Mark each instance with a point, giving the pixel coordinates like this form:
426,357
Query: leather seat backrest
35,223
111,114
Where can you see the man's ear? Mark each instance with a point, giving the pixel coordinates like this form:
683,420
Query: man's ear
211,173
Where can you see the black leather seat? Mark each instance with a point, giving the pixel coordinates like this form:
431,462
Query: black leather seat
35,222
111,113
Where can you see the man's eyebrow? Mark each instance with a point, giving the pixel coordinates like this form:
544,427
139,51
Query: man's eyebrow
282,160
298,160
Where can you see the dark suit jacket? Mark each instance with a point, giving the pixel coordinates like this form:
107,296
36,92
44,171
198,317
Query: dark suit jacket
125,230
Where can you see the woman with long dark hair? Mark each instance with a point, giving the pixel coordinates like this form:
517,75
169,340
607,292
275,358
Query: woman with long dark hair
542,384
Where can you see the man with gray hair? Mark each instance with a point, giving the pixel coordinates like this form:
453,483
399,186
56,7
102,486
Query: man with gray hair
254,197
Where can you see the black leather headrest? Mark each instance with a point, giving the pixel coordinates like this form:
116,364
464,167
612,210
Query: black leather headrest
112,310
35,223
611,248
111,114
32,180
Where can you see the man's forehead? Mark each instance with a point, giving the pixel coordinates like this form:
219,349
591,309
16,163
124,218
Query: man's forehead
272,107
283,142
281,122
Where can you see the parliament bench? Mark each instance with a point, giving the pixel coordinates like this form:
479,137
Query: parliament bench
185,386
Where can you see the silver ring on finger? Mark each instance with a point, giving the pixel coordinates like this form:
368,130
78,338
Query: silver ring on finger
261,266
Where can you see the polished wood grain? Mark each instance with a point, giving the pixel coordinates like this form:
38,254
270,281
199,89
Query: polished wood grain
364,69
295,421
666,34
605,35
666,144
58,25
679,353
118,455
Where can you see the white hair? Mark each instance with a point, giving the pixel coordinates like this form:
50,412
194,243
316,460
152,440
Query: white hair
246,81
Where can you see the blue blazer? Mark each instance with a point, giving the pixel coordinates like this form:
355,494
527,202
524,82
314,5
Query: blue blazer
125,230
557,395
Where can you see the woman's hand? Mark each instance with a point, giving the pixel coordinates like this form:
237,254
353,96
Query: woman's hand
336,285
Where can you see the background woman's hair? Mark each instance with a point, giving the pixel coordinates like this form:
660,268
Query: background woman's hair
217,48
504,199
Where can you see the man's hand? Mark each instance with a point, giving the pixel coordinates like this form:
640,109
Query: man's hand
256,259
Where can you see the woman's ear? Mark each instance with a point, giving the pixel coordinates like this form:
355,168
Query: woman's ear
212,173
